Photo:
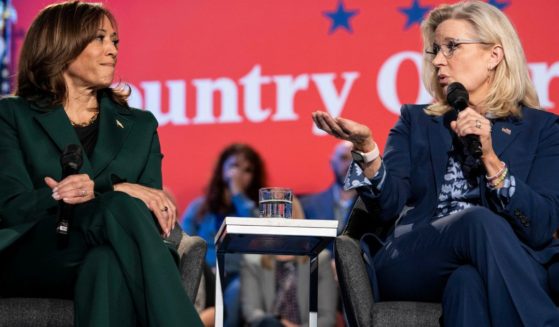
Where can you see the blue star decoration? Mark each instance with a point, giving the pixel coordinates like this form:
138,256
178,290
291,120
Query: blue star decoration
415,13
499,5
340,18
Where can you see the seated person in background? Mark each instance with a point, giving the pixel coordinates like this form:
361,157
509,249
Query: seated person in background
112,262
232,191
333,203
275,288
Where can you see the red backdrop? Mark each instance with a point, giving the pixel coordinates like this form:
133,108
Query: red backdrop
216,72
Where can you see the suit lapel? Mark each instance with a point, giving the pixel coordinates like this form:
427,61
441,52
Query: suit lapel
440,143
57,126
114,127
503,132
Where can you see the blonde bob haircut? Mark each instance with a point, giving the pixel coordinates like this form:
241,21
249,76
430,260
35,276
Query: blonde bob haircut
511,86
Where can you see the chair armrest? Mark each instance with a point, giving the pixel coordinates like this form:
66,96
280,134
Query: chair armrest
192,251
364,219
355,287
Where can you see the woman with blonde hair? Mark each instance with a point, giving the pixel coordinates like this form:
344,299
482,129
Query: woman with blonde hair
465,181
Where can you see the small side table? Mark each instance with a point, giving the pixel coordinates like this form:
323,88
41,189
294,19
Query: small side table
273,236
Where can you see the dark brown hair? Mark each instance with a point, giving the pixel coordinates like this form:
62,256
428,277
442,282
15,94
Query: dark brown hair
215,200
55,38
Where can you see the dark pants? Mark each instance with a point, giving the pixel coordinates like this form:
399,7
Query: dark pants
492,280
115,267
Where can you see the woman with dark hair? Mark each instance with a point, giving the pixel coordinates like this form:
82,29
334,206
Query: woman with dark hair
112,260
233,191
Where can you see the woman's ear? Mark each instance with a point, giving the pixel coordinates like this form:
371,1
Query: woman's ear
496,56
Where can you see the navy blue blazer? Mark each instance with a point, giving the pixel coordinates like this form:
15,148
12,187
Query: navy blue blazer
417,153
319,205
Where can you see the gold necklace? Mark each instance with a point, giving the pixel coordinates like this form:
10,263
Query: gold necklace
87,123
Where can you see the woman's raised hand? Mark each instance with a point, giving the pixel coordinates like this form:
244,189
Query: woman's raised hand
234,179
345,129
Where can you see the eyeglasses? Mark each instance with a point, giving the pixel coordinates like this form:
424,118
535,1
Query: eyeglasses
451,46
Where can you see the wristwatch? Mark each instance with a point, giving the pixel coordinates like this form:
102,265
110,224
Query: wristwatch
365,157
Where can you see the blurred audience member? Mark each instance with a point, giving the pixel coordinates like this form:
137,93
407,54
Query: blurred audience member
275,288
334,202
232,191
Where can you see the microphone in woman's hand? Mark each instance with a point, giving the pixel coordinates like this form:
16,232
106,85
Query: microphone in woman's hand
457,97
71,161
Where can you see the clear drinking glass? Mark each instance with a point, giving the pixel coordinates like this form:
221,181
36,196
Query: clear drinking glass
275,202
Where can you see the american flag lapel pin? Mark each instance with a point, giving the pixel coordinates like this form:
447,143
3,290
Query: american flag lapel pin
506,130
119,124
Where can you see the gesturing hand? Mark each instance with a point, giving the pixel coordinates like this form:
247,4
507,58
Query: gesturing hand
156,200
73,189
345,129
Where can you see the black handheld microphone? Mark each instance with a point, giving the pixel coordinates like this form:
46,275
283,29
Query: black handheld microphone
71,161
457,97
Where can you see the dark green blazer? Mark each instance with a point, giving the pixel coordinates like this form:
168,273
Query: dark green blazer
32,140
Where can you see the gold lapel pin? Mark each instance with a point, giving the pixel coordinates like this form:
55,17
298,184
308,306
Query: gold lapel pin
506,130
119,124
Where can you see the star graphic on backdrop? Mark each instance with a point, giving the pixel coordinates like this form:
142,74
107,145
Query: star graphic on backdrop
340,18
499,5
415,13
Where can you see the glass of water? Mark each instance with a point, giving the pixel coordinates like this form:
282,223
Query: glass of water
275,202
